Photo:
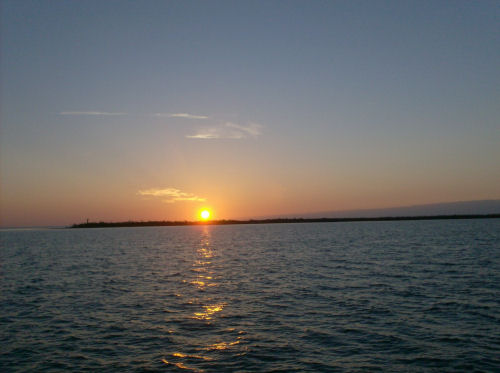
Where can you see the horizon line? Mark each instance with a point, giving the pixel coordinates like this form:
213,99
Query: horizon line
102,224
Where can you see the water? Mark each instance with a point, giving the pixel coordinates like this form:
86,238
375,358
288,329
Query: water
371,296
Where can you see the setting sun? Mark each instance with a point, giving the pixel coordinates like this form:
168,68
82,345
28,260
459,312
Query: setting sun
205,214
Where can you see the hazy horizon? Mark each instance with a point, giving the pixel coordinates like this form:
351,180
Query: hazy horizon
481,207
123,110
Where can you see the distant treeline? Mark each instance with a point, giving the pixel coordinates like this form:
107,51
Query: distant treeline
273,221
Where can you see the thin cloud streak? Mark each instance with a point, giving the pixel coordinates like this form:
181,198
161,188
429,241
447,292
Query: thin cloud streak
180,115
104,113
205,134
228,131
171,194
252,129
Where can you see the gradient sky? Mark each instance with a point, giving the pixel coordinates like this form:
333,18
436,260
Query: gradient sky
117,110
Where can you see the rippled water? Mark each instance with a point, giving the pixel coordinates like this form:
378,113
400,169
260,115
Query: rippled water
390,296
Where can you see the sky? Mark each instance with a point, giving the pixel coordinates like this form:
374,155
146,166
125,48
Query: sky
151,110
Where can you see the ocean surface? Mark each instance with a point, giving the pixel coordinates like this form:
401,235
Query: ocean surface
412,296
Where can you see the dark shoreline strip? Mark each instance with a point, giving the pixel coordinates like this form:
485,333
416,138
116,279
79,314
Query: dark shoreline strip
275,221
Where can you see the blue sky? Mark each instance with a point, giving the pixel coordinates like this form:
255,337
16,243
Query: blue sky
261,107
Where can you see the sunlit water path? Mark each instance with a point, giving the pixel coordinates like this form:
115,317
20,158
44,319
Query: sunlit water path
390,296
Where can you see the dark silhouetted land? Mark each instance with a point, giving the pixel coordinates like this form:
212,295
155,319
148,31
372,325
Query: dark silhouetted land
274,221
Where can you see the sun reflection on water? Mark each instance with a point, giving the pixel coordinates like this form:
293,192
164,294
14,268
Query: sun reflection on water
181,366
208,306
205,276
222,345
180,354
203,264
208,311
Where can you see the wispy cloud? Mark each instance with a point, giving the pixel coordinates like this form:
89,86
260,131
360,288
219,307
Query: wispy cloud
228,130
180,115
89,113
252,129
171,195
